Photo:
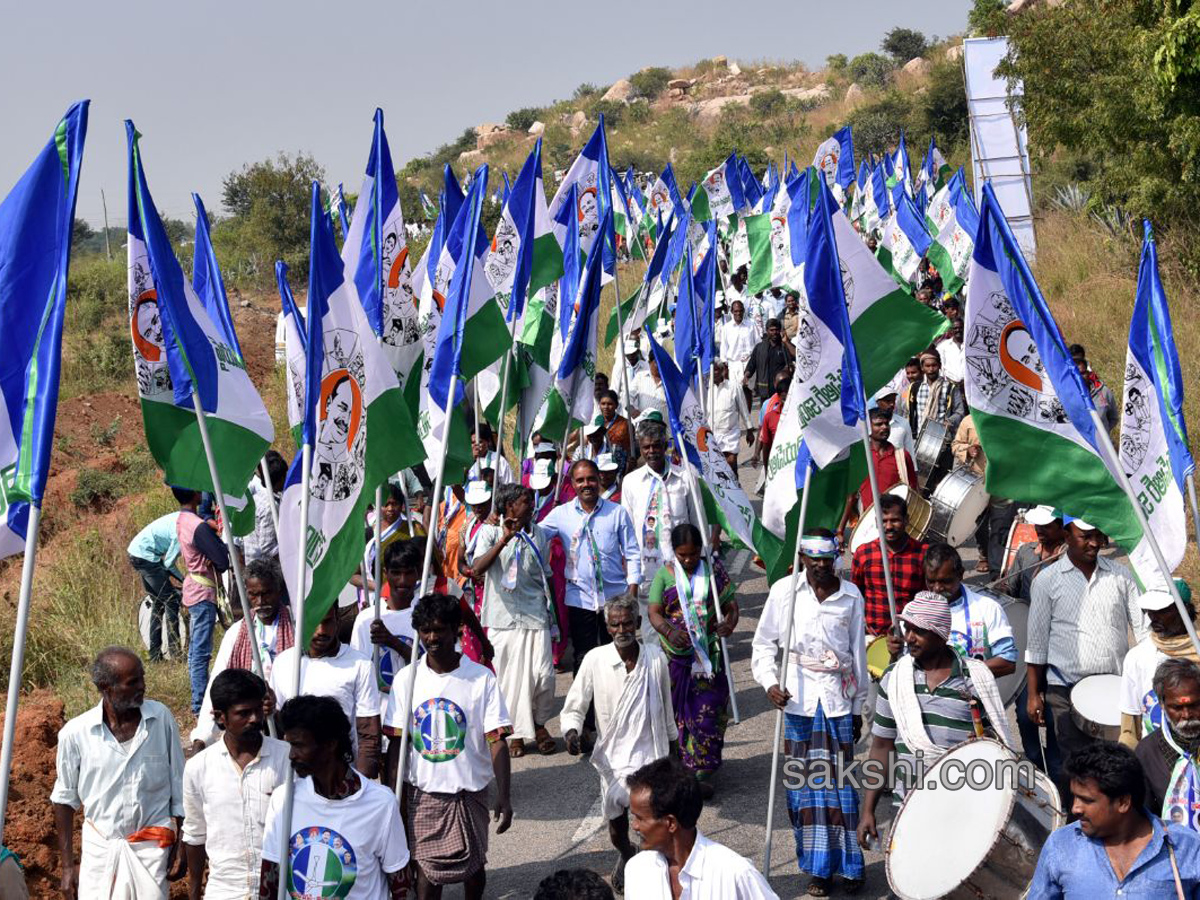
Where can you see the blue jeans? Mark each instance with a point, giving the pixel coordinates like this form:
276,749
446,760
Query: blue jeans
203,620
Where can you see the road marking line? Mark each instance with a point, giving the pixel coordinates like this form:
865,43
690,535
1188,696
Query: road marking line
591,823
739,562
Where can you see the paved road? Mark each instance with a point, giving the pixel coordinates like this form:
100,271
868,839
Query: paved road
557,821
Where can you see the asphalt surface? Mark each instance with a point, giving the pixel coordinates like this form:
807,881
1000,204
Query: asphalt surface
557,822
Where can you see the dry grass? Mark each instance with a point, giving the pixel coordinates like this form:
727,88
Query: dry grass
1089,278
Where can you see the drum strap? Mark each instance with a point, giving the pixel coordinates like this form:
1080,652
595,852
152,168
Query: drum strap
900,466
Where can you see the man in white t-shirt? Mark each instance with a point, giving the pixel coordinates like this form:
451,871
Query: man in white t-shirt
458,724
1141,710
664,806
346,838
227,789
333,669
391,634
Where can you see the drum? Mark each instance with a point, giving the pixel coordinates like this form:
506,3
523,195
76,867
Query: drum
1017,612
1019,534
958,502
1095,706
1006,824
930,443
918,518
878,658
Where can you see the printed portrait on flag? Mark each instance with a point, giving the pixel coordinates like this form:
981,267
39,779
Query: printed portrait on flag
1135,426
719,198
808,345
340,452
399,306
588,210
502,260
145,326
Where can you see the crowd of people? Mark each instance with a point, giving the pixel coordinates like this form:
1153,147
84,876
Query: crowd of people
590,557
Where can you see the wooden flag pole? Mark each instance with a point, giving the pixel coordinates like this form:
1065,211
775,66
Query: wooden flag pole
508,361
883,551
262,467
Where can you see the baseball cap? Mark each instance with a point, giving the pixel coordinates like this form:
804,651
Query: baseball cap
1152,601
542,475
544,447
1042,515
606,462
631,346
650,415
478,492
1079,523
930,612
597,424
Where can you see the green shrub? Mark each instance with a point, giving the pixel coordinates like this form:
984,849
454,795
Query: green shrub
768,103
96,289
521,119
877,125
586,90
870,69
651,82
903,44
836,62
639,112
612,110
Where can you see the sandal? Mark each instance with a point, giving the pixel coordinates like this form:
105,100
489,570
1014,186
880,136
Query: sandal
546,745
818,887
516,748
853,885
983,568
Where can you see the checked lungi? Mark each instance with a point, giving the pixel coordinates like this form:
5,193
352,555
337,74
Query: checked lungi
447,833
824,818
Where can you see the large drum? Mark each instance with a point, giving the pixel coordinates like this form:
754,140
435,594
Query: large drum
1096,708
958,502
974,844
1017,612
932,440
1019,534
918,518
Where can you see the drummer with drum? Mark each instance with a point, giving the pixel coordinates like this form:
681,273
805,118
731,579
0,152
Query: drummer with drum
930,700
935,407
893,466
1083,607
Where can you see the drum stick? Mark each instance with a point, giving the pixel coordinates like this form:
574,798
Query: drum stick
1015,572
887,566
783,668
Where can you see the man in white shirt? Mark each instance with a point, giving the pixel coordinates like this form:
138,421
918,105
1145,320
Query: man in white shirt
730,416
333,669
263,542
979,627
900,432
665,805
739,337
513,558
458,723
346,838
634,364
224,815
122,762
1081,609
822,701
647,392
483,448
391,635
953,356
631,689
1141,707
656,497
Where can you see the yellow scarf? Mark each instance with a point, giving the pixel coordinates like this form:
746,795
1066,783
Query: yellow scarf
1180,647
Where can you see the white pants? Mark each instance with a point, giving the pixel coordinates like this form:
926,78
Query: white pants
115,869
525,669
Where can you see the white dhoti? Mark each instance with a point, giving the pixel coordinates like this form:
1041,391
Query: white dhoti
737,370
635,735
525,670
119,869
727,441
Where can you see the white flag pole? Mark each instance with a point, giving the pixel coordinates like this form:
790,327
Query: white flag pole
694,488
620,354
377,568
508,361
238,576
296,674
410,672
266,476
1104,444
883,551
783,672
17,666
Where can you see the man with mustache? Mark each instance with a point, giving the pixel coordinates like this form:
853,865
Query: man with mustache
632,693
1169,753
122,762
224,814
1141,705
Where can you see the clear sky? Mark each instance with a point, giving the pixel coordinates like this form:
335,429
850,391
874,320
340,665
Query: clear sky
215,84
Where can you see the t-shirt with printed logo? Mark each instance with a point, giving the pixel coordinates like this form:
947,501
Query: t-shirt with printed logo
452,715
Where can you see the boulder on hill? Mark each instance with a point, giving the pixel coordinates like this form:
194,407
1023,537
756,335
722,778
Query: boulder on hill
680,84
720,60
489,128
620,92
708,110
734,69
489,138
470,158
537,128
818,94
917,66
954,52
578,120
854,94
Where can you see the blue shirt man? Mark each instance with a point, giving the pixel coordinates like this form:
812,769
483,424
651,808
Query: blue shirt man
153,553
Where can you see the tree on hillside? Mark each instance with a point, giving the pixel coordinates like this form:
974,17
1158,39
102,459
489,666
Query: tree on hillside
1116,82
269,203
941,110
80,231
651,82
903,44
877,125
870,69
987,18
521,119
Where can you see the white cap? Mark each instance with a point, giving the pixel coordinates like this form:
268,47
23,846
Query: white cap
478,492
544,447
542,475
1078,523
1042,515
597,424
662,329
606,462
1152,601
631,346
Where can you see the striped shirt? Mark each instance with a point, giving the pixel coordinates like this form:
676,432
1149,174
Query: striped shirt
945,711
1080,627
